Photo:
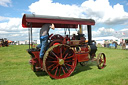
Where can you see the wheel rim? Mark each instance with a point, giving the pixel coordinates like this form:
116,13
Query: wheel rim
59,61
101,61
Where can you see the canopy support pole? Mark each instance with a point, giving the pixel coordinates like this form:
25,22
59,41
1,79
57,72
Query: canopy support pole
31,37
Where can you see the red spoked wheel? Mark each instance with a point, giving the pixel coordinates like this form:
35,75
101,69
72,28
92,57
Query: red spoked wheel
101,61
59,61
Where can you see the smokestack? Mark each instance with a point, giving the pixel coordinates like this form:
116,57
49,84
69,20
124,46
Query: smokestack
89,35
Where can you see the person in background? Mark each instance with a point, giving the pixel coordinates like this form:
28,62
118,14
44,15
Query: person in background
123,44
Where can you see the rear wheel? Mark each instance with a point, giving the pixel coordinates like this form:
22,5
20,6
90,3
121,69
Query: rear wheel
59,61
101,61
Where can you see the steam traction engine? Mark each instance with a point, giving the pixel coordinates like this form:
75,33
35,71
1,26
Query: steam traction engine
4,42
64,52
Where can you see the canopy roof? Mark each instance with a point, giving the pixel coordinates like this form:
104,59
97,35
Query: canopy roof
36,21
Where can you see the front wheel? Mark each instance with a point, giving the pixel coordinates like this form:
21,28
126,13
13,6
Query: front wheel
101,61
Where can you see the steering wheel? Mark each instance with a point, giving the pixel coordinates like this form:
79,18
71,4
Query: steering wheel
57,36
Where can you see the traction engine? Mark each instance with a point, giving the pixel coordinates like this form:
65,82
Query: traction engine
4,42
64,52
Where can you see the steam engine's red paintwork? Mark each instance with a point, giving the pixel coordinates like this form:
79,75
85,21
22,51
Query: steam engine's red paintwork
82,55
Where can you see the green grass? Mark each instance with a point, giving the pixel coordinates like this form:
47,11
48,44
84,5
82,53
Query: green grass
15,69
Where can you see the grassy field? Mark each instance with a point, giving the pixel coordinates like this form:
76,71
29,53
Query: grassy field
15,69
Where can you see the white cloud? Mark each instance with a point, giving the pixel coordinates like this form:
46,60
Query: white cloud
12,24
3,18
125,23
4,32
101,32
5,3
12,28
99,10
47,7
103,12
124,30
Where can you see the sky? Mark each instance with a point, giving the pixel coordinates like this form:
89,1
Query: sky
111,16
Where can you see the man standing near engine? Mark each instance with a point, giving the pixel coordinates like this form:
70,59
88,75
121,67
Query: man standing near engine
44,32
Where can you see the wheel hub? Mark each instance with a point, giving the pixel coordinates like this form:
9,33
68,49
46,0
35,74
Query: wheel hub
61,61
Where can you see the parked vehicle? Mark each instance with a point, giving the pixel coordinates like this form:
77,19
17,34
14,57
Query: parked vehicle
64,52
4,42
